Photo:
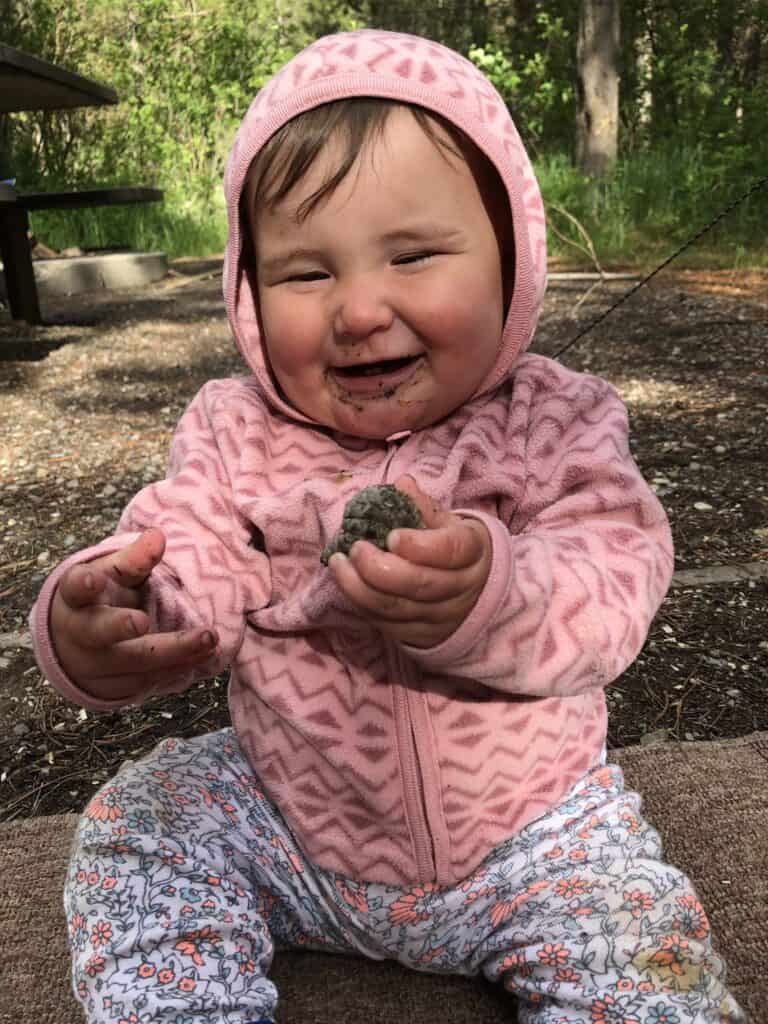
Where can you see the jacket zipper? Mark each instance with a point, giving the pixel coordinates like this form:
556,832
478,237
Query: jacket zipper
413,781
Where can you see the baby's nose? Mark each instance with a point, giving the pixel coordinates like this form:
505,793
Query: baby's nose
362,309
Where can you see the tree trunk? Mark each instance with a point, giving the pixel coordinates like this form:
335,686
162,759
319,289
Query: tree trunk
597,56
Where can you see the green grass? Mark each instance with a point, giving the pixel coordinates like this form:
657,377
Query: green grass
152,227
654,202
650,205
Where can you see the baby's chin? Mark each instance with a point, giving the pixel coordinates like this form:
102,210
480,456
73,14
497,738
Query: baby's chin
366,421
371,419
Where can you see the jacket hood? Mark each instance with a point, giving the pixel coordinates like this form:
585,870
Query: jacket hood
407,69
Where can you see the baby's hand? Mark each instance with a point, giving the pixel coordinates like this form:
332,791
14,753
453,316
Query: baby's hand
100,634
422,589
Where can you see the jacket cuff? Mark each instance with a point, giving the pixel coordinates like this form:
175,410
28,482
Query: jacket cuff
459,644
39,618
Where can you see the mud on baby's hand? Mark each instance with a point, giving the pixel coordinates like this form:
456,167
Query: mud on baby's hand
421,589
100,633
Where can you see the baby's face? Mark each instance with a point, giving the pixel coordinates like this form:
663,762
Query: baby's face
382,311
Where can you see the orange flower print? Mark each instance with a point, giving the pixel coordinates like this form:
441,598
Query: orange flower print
244,962
76,924
165,976
431,955
554,853
353,896
568,888
608,1011
631,822
521,968
146,970
645,986
625,985
512,960
567,974
578,855
108,883
505,908
692,921
477,876
408,909
193,942
101,933
553,955
637,902
588,910
187,985
93,878
603,777
586,831
673,953
104,806
130,1019
95,965
206,794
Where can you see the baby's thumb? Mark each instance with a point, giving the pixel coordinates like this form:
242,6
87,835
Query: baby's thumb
431,513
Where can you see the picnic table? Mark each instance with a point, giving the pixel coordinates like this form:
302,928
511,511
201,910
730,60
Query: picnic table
29,83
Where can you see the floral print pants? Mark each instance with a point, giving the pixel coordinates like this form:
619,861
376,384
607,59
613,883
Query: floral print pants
184,875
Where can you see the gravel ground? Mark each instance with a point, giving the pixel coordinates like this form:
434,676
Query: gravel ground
90,400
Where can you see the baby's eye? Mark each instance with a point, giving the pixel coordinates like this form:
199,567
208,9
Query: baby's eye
413,257
308,275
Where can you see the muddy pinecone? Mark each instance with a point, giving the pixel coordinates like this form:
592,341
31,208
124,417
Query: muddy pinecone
370,515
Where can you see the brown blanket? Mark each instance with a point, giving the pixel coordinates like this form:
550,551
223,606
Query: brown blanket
708,800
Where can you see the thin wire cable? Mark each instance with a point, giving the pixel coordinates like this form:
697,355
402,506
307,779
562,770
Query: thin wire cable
760,183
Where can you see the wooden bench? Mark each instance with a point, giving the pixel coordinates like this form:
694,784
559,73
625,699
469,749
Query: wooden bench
14,227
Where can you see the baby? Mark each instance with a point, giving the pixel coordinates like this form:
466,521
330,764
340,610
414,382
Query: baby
416,768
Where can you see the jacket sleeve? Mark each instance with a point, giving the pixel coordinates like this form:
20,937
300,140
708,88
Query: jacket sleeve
210,575
580,564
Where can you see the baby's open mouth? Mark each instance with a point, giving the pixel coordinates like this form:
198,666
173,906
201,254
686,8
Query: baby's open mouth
371,369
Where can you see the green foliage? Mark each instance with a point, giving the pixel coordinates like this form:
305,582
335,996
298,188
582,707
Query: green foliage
531,62
694,104
652,203
185,72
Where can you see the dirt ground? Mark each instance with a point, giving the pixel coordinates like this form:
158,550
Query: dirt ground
90,400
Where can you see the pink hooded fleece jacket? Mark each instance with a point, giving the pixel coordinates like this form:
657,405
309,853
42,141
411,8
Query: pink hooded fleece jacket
391,763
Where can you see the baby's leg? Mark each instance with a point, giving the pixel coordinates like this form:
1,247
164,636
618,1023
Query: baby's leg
181,875
592,927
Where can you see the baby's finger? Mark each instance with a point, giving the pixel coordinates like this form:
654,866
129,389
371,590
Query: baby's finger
131,565
386,607
81,585
448,547
154,652
390,574
101,626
